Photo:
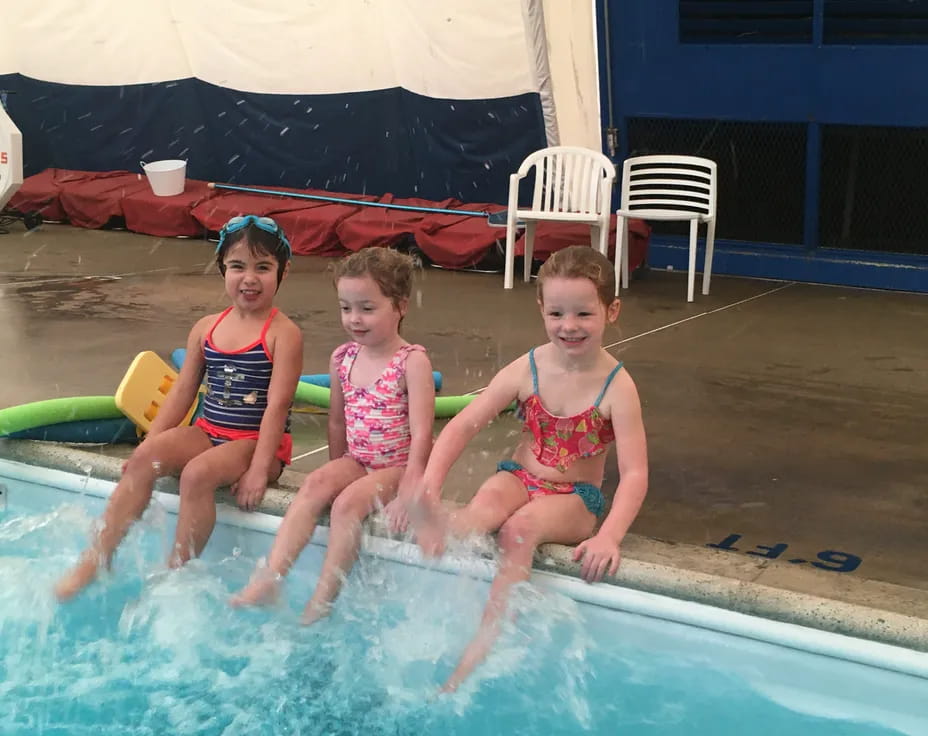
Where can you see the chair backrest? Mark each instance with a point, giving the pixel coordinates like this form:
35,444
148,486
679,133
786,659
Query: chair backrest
570,179
666,184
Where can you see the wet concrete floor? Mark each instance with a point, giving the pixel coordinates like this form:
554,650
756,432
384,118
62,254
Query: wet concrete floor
784,420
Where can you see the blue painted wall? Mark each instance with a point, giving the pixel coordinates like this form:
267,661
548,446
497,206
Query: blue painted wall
655,75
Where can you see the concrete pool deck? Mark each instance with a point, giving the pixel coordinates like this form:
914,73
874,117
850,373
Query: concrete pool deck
785,421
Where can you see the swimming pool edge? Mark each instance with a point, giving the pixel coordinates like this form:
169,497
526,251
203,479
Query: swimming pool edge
857,607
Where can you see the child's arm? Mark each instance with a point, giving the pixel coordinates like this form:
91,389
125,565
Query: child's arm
601,553
502,391
420,387
288,364
338,440
184,390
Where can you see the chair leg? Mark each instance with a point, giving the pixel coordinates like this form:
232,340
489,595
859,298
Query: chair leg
691,274
621,254
599,238
510,250
619,248
529,248
707,266
625,241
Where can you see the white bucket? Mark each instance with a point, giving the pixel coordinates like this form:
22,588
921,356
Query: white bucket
166,178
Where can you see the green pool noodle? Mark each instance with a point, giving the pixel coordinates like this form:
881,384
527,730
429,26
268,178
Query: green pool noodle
79,408
448,406
56,411
310,393
445,406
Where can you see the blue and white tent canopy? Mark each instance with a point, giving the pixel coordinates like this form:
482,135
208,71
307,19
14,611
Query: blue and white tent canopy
416,97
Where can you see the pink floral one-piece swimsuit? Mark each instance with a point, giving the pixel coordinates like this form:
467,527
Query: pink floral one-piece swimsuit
376,416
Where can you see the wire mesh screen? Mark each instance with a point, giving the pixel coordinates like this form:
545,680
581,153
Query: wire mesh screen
873,188
875,21
761,172
746,21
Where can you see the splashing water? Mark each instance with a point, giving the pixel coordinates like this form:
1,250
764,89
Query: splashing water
146,650
145,646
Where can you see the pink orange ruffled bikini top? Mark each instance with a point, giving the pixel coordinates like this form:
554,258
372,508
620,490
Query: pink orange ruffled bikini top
561,441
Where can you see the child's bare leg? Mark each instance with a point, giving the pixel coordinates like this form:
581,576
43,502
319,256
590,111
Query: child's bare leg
164,454
219,466
563,519
296,529
496,500
348,511
500,496
515,567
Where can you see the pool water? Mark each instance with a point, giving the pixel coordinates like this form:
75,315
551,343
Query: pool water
147,651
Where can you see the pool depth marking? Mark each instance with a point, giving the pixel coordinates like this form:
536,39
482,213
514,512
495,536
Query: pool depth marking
830,559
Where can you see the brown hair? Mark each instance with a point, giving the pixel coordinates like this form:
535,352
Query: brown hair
260,243
391,271
580,262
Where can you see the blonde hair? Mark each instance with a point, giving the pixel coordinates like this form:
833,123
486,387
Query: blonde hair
391,270
580,262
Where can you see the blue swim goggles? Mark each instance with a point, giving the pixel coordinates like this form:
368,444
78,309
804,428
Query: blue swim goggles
262,223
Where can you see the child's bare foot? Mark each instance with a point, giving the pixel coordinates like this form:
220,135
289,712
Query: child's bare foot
431,523
263,589
315,611
78,577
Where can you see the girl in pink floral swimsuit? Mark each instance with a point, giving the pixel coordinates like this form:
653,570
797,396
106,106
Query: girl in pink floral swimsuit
575,400
380,429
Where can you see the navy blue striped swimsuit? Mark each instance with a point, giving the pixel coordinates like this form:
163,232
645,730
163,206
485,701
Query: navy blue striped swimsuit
237,383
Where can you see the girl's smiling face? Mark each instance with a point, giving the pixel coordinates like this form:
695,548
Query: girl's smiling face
369,317
250,277
574,315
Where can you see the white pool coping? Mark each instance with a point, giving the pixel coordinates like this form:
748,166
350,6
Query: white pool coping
878,654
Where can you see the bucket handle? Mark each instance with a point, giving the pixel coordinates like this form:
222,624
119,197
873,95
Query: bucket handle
143,164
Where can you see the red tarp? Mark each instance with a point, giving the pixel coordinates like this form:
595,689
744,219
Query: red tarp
310,226
40,193
91,199
385,227
552,236
459,241
166,216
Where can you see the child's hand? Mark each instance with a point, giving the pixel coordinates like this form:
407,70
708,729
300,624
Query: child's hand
397,516
250,490
599,555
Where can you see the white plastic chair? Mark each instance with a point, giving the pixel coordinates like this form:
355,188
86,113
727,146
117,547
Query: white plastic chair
572,184
668,188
